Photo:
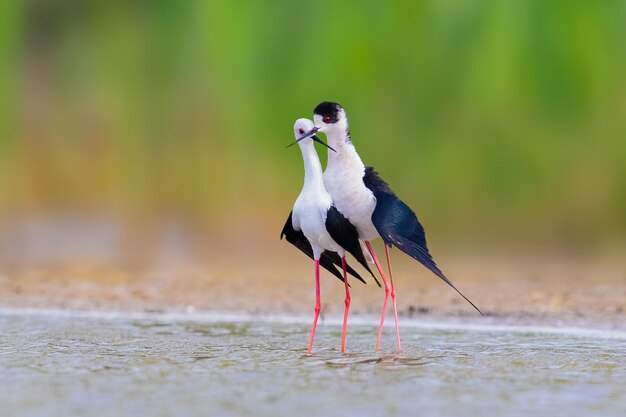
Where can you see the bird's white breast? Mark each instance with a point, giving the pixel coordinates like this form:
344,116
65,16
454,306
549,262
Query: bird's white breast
343,180
309,215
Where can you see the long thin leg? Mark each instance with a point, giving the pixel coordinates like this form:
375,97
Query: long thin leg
317,303
387,292
393,298
347,302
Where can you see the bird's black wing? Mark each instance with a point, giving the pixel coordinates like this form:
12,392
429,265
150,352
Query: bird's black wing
328,259
398,226
345,234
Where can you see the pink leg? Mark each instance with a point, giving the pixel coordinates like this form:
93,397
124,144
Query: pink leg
347,302
393,298
317,303
387,293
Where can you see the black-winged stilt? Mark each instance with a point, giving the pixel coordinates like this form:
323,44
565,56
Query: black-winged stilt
318,229
362,196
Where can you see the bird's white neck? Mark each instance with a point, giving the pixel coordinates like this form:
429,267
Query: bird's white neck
312,165
345,154
344,182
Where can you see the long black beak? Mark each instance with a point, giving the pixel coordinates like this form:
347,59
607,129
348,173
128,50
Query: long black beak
315,138
307,134
311,134
318,140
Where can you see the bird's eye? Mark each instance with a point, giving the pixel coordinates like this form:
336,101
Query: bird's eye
301,131
326,119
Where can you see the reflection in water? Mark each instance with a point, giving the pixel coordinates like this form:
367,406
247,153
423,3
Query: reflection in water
398,359
59,366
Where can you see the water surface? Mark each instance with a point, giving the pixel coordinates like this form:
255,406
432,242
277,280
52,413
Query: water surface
66,365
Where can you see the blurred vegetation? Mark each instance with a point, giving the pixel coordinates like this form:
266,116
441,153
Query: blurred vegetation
496,120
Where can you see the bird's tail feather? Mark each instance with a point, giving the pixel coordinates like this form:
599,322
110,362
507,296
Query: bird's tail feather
359,255
362,260
423,256
366,253
329,259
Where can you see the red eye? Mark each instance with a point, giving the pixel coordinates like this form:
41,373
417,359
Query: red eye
301,131
326,119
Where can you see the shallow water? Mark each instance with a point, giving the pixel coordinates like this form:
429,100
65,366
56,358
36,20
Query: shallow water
60,366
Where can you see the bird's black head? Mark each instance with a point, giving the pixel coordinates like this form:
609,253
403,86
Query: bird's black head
328,111
330,118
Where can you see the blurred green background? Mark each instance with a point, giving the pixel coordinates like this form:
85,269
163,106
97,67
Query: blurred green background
500,122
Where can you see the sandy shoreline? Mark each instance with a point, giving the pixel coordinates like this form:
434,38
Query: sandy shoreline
552,292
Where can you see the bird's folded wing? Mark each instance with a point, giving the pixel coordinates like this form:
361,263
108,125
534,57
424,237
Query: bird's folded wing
328,260
398,226
345,234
